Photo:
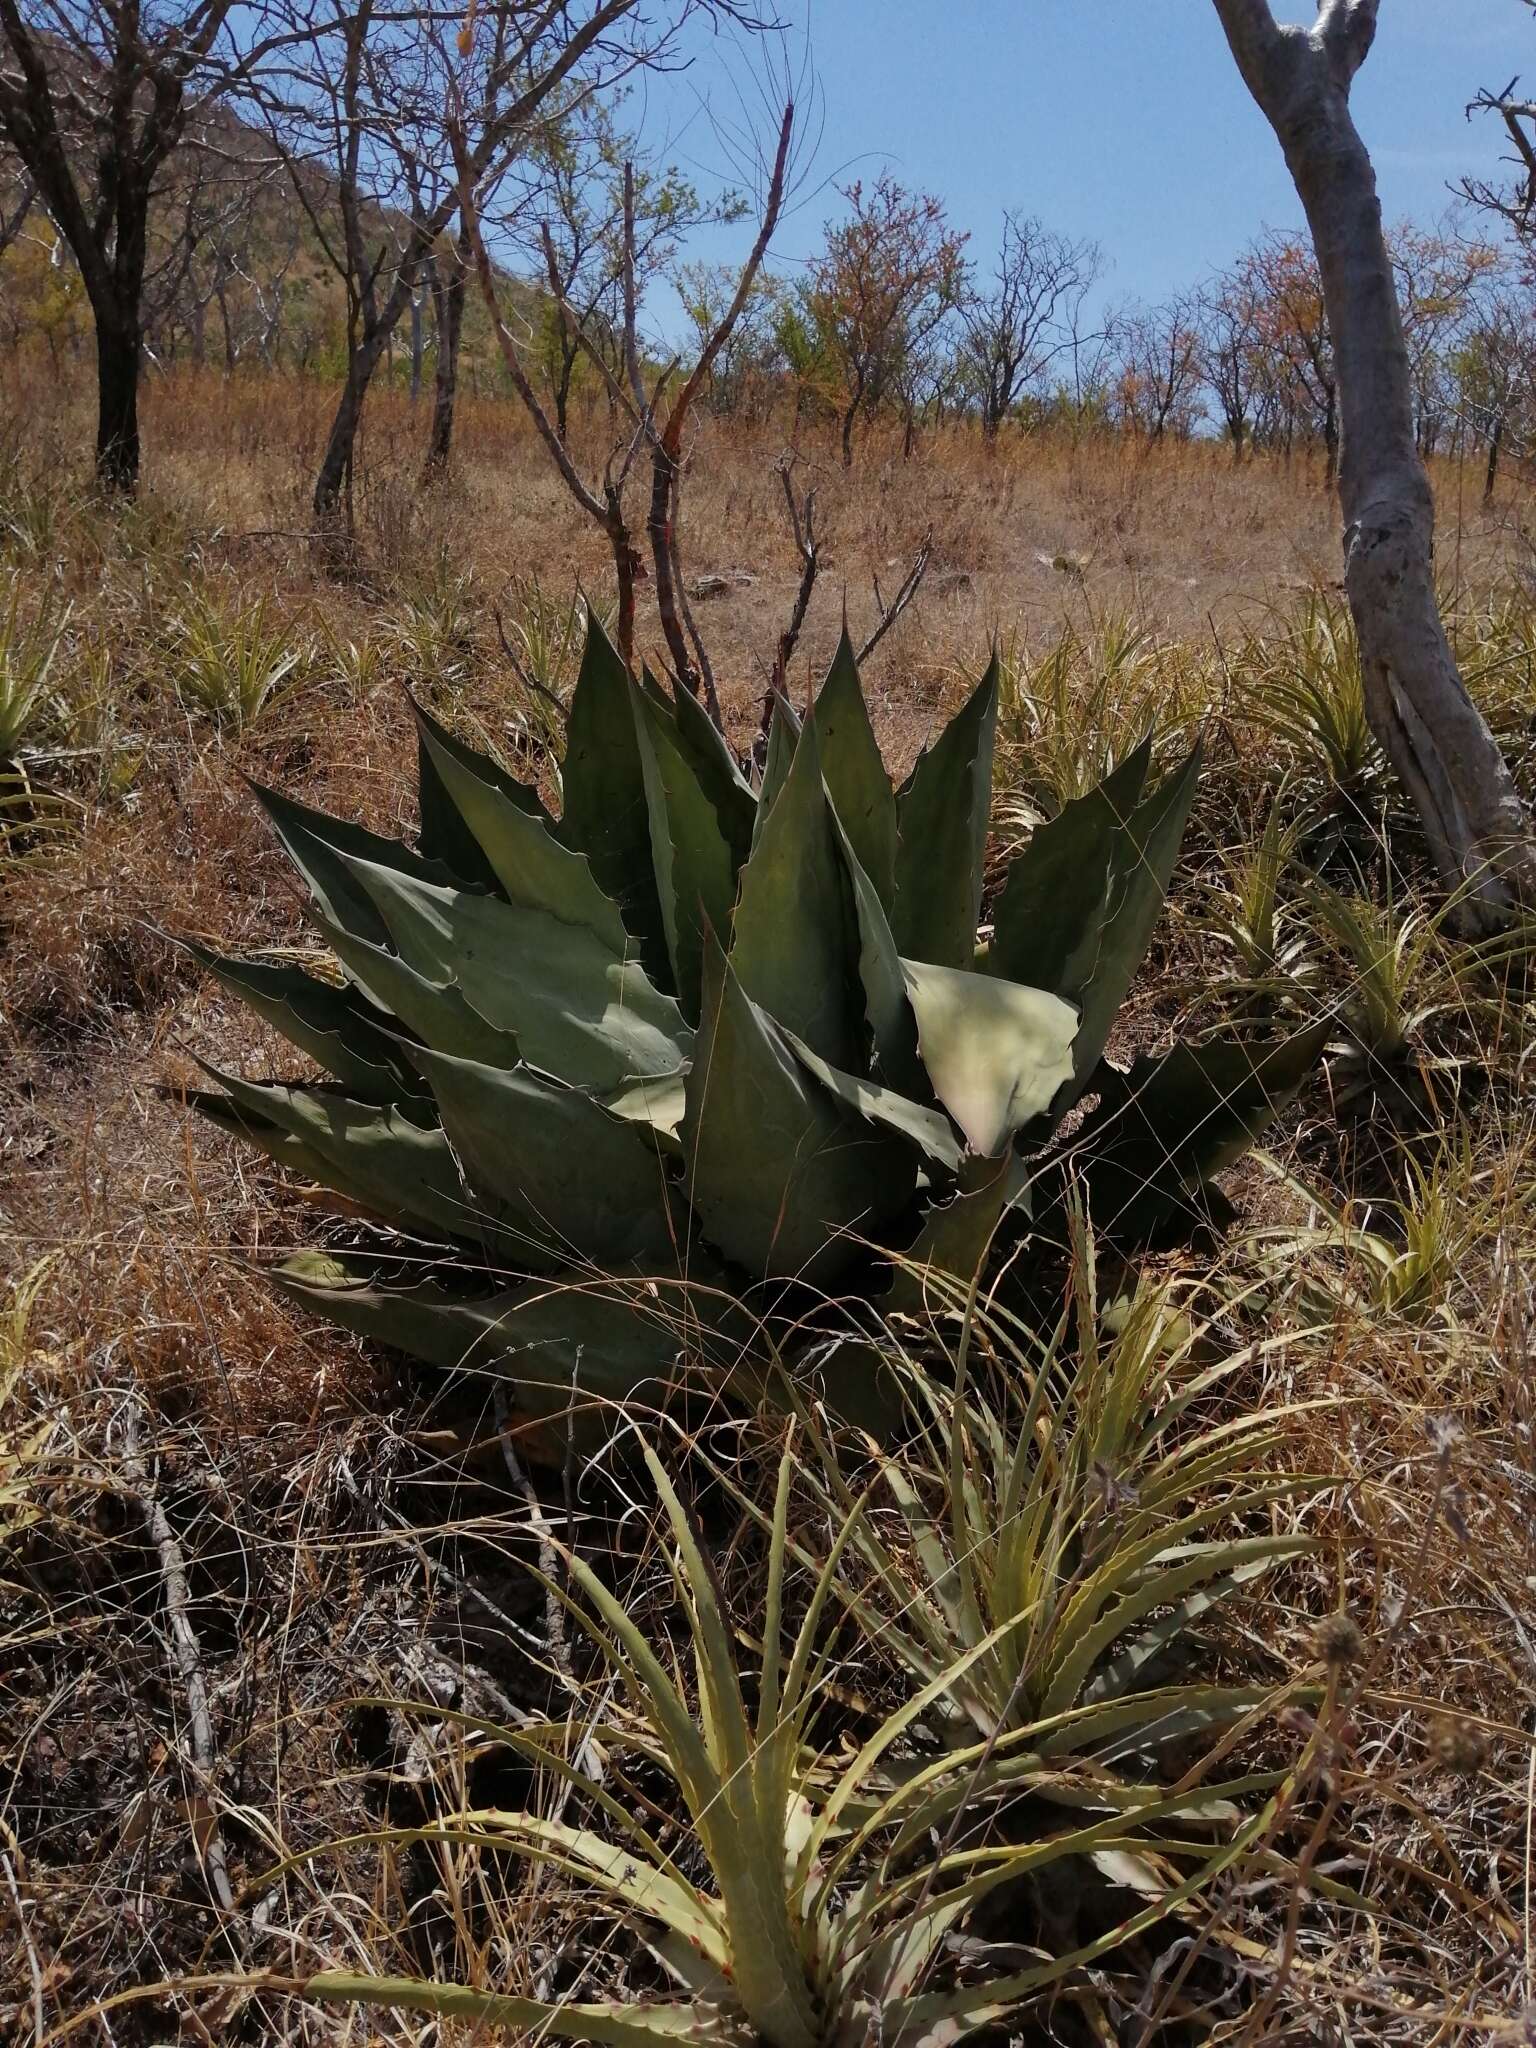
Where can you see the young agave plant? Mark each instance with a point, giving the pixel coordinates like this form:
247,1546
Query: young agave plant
805,1905
694,1055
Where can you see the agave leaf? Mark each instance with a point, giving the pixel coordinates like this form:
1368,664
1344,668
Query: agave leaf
892,1026
943,809
953,1241
777,1167
1141,869
335,1026
718,774
855,774
783,736
658,1100
575,1350
693,863
534,870
443,834
616,2025
605,813
434,1010
1147,1152
996,1053
315,844
372,1154
929,1129
1049,922
573,1007
560,1167
793,930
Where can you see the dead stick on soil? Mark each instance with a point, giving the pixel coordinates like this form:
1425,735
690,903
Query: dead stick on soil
189,1661
549,1555
39,2019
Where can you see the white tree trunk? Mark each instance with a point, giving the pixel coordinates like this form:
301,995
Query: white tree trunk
1433,734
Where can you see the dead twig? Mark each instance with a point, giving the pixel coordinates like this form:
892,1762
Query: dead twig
802,524
522,671
549,1553
189,1661
39,2018
890,613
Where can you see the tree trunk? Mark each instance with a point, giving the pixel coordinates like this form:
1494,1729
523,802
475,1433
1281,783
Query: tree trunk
117,410
418,344
448,308
336,462
1433,734
1495,441
848,419
362,361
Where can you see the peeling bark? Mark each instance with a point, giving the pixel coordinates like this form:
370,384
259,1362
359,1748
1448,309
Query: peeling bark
1433,735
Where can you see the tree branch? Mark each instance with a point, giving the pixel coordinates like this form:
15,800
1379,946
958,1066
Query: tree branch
1345,31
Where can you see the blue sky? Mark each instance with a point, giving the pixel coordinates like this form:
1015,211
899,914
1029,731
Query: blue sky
1122,120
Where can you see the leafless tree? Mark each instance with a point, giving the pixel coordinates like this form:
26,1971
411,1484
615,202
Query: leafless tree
1433,734
1231,352
368,94
95,95
649,425
1009,332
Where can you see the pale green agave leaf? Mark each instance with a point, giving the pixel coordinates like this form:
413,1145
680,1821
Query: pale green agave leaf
892,1026
855,774
573,1006
779,1170
792,947
694,866
717,773
929,1129
533,869
783,736
372,1154
605,811
315,843
996,1053
1148,1151
1049,923
434,1011
337,1028
576,1348
555,1164
943,810
1141,868
442,833
659,1101
954,1239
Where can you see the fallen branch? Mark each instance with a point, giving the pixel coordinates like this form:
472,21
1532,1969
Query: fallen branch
549,1554
189,1661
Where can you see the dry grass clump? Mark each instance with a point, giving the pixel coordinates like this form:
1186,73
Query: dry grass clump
347,1543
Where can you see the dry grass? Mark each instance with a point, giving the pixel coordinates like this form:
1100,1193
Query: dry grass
340,1540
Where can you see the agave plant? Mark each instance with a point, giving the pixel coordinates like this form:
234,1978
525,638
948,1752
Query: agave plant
695,1057
804,1904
